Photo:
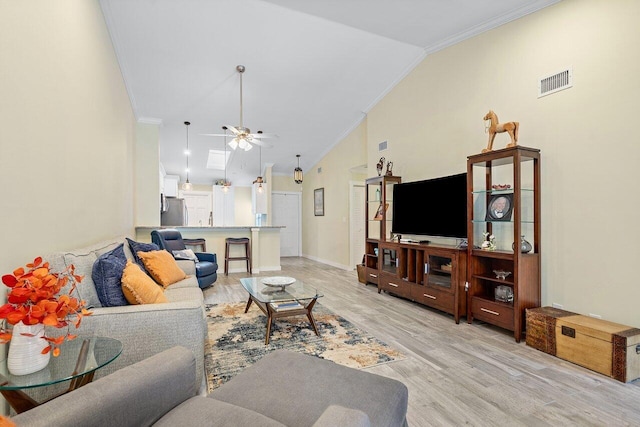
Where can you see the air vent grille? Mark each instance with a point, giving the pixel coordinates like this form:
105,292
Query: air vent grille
555,83
382,146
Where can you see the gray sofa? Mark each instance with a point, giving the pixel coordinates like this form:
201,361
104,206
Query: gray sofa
144,330
284,388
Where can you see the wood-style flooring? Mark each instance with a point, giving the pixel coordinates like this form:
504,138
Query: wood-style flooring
461,374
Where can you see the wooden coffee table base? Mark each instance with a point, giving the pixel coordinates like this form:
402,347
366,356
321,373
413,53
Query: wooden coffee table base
272,314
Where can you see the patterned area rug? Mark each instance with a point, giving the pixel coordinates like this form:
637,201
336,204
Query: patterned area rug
236,340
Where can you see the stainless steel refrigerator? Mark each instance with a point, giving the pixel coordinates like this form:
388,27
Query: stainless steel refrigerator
173,212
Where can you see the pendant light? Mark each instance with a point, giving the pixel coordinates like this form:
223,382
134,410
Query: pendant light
187,185
259,180
225,184
297,172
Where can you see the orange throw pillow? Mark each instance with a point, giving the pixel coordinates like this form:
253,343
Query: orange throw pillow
162,267
138,288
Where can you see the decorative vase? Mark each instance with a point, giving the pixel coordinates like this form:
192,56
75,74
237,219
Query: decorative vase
525,246
25,351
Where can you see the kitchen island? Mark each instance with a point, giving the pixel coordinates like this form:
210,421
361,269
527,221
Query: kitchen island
265,244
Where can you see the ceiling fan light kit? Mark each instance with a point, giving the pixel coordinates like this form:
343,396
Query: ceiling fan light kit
242,136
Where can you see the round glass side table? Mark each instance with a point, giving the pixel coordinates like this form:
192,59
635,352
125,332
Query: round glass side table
78,361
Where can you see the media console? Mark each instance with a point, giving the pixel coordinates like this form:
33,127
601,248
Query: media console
430,275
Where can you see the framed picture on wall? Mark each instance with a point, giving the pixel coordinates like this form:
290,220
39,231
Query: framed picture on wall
318,202
500,207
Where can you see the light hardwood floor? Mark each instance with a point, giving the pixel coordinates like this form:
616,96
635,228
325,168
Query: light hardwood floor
461,374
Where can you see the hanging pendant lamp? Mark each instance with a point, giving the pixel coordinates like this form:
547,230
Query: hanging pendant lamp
297,172
187,185
259,180
225,184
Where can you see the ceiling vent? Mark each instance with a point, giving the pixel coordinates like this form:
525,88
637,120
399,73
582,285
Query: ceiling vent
382,146
555,83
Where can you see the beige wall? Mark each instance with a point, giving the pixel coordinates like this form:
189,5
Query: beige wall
147,188
590,153
326,238
66,132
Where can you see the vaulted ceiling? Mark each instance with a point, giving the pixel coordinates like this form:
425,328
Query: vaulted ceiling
313,68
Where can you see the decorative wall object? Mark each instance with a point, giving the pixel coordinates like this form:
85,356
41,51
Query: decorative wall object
318,202
389,169
493,126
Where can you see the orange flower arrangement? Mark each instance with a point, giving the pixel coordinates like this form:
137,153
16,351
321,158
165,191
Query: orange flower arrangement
33,299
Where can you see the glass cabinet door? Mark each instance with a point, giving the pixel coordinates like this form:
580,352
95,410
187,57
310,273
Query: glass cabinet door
438,271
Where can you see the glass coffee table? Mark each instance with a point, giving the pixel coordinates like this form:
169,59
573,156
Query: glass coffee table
281,297
78,361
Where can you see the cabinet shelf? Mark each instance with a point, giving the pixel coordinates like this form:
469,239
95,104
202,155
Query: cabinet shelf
494,280
520,167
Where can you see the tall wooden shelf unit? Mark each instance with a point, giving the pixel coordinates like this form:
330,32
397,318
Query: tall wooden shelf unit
379,215
520,168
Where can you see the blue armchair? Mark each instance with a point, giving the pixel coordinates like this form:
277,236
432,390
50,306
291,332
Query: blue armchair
206,265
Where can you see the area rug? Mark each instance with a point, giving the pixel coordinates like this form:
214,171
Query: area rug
236,340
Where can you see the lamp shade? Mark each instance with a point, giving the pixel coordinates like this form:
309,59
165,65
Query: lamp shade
297,172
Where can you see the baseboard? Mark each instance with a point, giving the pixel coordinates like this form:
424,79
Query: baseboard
331,263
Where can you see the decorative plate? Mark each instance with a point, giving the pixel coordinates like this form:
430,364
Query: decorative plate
280,281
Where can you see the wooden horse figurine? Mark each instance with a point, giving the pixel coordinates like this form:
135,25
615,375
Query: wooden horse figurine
495,127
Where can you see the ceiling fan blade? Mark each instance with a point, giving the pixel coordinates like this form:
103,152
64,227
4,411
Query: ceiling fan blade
264,135
234,130
261,143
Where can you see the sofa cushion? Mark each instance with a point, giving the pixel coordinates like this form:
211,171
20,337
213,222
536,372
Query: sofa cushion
138,288
83,263
185,254
162,267
107,276
324,383
141,247
200,411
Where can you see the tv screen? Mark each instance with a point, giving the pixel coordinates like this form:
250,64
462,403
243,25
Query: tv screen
433,207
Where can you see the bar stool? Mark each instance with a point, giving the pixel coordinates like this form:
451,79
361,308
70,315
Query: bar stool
196,243
247,252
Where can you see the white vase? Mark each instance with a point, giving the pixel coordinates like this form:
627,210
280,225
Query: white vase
25,352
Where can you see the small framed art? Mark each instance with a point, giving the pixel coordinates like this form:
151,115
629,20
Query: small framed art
318,202
500,207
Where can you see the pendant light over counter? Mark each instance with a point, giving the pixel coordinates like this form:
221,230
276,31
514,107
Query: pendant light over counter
187,186
297,172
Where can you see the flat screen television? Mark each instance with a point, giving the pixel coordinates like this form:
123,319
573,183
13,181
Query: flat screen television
433,207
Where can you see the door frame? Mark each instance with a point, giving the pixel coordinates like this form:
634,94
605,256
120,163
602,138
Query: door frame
352,185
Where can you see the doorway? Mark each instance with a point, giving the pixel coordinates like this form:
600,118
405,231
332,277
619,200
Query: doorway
356,221
198,205
286,208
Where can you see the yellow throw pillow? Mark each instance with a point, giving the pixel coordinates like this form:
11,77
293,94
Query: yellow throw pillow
138,288
162,267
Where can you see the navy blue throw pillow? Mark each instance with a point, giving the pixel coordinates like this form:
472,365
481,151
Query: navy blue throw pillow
141,247
107,276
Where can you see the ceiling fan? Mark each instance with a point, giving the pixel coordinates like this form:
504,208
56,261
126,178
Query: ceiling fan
243,137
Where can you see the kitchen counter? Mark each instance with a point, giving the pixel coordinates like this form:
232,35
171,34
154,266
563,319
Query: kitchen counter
265,244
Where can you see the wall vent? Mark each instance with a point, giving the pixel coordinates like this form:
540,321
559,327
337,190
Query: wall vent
555,82
382,146
320,169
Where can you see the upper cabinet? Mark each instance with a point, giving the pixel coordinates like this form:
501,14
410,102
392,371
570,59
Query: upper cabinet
171,185
503,211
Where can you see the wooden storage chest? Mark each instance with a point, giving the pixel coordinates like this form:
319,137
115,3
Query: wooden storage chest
609,348
602,346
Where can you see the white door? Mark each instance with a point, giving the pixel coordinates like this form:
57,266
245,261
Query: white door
356,222
286,208
198,205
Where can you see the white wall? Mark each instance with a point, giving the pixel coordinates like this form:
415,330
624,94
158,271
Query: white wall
147,185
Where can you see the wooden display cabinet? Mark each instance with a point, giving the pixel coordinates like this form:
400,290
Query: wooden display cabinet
378,220
430,275
488,175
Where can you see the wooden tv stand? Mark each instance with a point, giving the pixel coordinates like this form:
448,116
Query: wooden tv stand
433,275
